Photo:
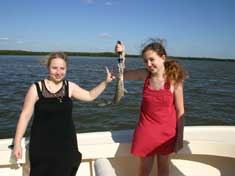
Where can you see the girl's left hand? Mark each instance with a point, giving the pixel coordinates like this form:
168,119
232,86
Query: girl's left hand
109,76
179,135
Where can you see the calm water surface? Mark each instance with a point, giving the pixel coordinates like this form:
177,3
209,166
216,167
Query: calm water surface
209,92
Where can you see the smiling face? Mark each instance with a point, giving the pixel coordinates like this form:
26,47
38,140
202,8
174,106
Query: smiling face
153,62
57,69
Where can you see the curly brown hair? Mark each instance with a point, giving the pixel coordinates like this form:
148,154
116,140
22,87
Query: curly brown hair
174,72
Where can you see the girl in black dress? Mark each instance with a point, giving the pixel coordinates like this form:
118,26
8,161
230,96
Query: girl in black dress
53,147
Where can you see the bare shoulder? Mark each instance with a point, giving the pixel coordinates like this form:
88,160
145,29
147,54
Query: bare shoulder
72,84
32,93
73,87
178,88
39,83
33,88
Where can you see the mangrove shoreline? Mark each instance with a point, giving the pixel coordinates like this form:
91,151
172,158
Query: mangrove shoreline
101,54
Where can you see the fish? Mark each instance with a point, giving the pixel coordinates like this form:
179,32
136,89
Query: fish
119,92
119,88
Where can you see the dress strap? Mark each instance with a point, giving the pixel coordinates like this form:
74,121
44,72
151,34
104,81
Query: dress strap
43,87
146,82
38,90
167,85
66,83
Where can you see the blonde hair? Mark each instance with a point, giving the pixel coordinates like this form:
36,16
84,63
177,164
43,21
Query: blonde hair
55,55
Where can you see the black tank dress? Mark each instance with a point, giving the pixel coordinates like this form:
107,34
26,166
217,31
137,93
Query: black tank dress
53,147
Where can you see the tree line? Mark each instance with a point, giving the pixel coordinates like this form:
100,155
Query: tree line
95,54
102,54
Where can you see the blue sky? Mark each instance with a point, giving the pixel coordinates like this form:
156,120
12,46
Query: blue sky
197,28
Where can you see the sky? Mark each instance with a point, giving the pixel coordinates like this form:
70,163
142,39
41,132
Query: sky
191,28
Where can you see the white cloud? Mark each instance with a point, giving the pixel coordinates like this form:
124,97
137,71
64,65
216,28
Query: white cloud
105,36
4,39
15,41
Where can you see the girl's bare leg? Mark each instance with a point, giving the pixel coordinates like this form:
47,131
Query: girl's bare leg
145,166
163,165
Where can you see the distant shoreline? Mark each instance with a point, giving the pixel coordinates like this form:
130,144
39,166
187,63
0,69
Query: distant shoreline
102,54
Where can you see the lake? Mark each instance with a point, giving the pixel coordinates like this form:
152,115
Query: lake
209,92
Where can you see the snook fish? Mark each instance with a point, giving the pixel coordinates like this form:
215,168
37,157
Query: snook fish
119,93
119,90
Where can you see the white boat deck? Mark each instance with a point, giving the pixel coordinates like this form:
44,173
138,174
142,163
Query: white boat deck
208,150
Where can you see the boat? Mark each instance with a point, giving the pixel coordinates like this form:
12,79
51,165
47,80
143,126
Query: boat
207,151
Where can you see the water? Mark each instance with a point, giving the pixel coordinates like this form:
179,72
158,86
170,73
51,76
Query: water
209,92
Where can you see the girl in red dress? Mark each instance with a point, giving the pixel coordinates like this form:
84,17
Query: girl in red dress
160,127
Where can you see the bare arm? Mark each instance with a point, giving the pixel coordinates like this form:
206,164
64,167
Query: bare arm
84,95
25,115
179,103
81,94
138,74
179,100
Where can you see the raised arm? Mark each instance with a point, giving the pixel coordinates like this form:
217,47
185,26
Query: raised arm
138,74
84,95
25,116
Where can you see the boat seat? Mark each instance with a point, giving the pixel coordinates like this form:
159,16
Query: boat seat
103,167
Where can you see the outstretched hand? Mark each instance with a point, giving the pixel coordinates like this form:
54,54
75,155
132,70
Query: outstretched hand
109,76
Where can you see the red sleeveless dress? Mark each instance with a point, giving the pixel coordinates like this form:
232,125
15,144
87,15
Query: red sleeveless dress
156,130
